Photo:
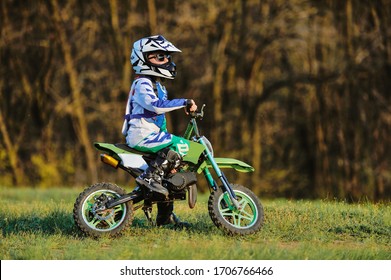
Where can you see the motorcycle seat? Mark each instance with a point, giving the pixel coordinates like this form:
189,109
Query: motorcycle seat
125,147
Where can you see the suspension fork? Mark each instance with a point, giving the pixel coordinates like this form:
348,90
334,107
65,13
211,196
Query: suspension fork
193,128
223,179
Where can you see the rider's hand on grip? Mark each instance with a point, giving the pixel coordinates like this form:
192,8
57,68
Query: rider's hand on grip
190,106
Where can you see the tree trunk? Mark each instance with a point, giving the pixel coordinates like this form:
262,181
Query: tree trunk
12,152
152,17
78,114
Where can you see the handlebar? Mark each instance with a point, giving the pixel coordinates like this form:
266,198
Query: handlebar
198,115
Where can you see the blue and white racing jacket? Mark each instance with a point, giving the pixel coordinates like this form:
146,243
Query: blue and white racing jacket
145,110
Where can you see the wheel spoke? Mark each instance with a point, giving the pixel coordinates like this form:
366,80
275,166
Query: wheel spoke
232,217
243,203
111,221
95,222
225,210
239,219
118,208
229,217
245,215
235,219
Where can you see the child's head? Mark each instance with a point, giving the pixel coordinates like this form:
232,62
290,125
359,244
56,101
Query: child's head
152,56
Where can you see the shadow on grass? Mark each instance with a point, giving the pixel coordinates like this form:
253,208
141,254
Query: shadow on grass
56,222
61,222
197,227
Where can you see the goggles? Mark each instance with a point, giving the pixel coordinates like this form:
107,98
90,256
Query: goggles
160,57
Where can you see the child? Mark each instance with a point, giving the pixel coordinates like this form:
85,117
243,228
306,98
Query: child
145,122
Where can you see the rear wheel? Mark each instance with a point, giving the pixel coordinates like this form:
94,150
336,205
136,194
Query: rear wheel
91,215
248,219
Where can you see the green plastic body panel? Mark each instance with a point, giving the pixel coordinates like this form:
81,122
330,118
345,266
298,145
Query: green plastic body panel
107,147
195,151
227,163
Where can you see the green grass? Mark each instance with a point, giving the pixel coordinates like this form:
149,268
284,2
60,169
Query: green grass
38,224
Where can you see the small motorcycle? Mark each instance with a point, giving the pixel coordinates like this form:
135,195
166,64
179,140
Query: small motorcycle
106,209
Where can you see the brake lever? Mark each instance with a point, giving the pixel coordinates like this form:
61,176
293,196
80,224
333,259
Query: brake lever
201,113
198,115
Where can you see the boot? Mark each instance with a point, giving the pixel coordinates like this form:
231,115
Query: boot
165,216
157,170
152,180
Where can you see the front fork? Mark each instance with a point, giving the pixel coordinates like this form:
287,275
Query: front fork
230,197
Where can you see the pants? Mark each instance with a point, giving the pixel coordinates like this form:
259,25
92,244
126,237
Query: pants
158,141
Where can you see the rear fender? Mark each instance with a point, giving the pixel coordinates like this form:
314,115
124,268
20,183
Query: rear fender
109,148
127,156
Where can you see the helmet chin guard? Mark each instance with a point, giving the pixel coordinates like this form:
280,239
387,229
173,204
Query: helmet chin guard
142,66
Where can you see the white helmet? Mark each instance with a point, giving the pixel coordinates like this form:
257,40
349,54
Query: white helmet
139,60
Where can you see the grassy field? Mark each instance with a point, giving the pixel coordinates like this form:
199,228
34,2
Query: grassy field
37,224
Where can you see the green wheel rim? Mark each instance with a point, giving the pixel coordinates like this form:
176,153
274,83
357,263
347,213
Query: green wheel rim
106,220
242,218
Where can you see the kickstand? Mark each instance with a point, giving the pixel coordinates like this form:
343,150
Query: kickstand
148,213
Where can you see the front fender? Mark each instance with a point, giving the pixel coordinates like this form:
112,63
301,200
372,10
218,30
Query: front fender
227,163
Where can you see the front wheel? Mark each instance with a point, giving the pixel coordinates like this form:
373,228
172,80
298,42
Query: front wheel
94,219
248,219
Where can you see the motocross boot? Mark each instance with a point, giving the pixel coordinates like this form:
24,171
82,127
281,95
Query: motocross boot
166,216
152,180
153,176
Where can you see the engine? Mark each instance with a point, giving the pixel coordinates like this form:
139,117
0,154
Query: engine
179,181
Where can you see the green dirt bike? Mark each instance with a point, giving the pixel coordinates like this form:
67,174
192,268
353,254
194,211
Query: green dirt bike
106,209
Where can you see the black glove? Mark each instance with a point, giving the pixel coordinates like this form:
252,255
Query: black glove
189,103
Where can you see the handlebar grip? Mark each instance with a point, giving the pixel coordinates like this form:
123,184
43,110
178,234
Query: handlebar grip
189,103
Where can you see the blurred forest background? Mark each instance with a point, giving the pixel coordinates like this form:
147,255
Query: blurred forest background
300,89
